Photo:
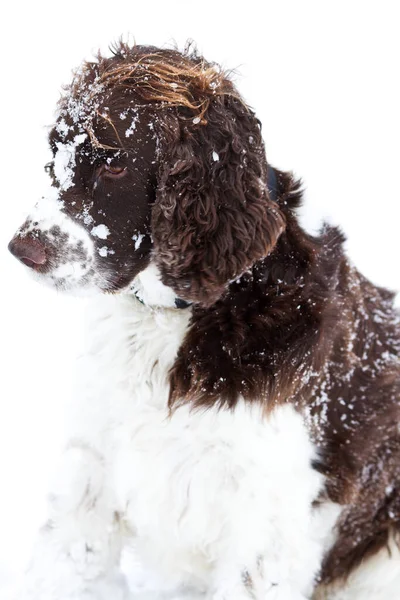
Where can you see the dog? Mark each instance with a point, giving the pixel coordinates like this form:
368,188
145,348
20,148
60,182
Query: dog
237,414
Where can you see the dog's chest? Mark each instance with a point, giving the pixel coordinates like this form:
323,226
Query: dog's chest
183,482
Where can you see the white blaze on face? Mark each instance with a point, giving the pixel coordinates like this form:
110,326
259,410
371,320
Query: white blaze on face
70,249
65,162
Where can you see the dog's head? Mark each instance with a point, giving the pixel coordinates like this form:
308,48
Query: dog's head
156,159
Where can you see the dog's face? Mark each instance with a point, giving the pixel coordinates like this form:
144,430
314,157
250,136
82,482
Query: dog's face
155,159
91,230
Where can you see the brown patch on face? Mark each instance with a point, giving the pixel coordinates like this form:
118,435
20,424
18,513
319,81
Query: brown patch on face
115,210
200,196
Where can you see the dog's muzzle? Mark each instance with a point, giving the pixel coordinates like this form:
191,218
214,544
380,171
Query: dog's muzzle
29,250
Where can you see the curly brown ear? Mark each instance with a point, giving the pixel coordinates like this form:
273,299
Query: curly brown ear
213,217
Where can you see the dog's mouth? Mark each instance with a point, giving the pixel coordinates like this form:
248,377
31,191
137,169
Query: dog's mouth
29,263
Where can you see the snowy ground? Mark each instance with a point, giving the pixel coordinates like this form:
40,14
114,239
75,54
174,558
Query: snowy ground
322,78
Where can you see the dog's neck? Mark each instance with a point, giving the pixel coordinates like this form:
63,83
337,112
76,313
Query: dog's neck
148,288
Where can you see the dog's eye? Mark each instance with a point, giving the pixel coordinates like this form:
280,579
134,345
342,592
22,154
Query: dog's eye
113,172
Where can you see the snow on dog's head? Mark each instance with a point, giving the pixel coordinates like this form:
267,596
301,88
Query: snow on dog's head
84,231
155,156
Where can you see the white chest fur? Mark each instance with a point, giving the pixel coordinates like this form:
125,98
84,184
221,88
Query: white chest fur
194,489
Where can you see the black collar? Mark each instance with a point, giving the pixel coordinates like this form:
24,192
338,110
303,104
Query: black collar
272,183
179,303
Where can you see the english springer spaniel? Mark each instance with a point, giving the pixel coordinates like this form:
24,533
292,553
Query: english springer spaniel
238,409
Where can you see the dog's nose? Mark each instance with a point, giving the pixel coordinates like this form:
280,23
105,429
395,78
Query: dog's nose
28,250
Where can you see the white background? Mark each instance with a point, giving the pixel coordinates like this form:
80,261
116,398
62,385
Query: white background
322,76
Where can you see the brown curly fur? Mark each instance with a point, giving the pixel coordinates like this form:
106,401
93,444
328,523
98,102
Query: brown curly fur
212,219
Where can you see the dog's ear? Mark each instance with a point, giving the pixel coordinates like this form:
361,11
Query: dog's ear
213,217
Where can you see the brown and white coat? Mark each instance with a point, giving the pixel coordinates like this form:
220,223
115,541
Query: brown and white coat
238,409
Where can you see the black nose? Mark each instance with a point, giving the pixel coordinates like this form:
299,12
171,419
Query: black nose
29,250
